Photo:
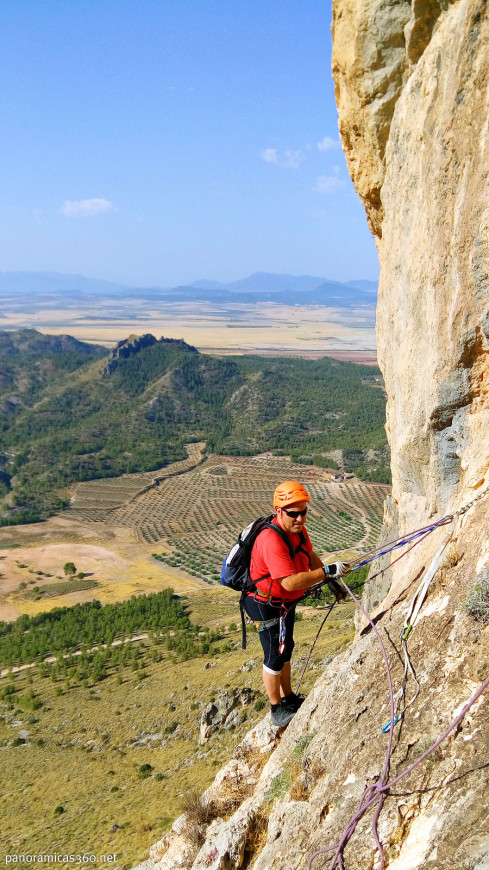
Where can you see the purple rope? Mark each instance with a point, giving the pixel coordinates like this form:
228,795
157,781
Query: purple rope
365,800
313,645
378,788
377,792
369,580
374,576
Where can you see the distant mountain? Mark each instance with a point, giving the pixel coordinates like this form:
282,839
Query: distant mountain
368,286
268,282
55,282
204,284
259,287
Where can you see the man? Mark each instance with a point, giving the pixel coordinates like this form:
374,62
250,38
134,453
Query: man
282,568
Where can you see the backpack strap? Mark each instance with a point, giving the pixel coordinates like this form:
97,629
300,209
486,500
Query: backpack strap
243,623
285,538
301,548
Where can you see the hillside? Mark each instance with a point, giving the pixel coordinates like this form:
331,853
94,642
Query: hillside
136,410
30,361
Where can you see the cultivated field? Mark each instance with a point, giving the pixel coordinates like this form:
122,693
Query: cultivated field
143,532
193,518
103,767
299,330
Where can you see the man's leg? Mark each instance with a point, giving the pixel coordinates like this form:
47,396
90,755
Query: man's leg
285,680
276,677
272,683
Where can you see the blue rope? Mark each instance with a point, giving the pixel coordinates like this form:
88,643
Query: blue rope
402,542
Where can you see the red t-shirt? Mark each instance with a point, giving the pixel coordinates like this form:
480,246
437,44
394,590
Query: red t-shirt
270,555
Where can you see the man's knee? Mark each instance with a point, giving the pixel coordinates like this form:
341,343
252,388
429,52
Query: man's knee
274,662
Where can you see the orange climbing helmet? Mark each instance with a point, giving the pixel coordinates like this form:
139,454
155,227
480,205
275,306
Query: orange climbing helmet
289,492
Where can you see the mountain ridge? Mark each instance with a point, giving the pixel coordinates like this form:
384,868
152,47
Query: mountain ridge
257,287
102,414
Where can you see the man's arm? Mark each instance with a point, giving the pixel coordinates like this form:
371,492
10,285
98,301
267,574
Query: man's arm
304,579
315,561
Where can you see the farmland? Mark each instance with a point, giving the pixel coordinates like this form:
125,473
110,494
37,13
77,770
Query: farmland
139,533
192,517
89,735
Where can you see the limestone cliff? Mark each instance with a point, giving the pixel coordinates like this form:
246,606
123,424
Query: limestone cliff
412,85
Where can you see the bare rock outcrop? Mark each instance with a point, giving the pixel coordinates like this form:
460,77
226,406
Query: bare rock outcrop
433,310
376,45
127,348
412,90
276,816
224,712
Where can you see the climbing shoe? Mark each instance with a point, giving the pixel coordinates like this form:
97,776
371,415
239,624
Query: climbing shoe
282,714
293,701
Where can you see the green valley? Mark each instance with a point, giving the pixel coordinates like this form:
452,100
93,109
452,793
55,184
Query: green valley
66,417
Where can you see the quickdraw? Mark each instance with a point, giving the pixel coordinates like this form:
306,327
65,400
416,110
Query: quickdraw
282,629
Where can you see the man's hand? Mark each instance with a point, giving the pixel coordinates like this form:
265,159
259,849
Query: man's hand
337,569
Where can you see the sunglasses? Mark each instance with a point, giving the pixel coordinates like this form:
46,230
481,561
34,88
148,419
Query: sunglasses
295,514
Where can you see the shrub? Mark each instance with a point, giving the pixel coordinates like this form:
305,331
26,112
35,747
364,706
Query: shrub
259,704
144,771
477,603
279,786
59,810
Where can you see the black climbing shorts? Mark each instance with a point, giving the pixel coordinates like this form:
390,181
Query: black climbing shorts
259,611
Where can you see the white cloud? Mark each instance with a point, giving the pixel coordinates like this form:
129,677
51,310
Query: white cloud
287,159
328,144
87,207
328,184
269,155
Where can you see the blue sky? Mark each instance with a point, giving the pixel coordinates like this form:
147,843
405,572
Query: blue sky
157,142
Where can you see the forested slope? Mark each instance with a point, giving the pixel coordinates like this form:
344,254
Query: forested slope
136,415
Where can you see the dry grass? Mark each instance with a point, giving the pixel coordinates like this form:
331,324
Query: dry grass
95,740
256,837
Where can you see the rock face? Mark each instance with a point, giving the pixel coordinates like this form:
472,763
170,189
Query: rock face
224,712
412,85
412,88
126,348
